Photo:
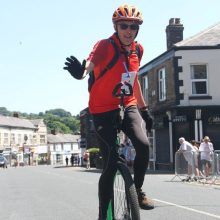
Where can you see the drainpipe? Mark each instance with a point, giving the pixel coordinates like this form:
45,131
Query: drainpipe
196,130
171,135
199,128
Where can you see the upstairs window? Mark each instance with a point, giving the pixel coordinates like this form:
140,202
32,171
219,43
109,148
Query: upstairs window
34,139
199,79
162,84
145,88
6,140
12,138
19,139
42,139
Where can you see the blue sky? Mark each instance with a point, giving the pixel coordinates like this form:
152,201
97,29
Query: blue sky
37,36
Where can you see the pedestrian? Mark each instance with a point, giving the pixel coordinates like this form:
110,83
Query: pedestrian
87,159
189,154
72,160
195,145
206,151
78,160
116,60
67,160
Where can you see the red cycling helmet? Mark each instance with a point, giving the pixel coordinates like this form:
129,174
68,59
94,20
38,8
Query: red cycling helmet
128,13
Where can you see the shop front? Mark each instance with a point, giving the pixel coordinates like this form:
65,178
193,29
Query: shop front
192,123
42,158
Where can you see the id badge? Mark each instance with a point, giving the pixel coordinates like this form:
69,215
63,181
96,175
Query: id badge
128,77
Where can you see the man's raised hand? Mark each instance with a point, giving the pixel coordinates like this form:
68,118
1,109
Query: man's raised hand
75,68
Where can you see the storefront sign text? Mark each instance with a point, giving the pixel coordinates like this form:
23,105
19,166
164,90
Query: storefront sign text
180,118
214,120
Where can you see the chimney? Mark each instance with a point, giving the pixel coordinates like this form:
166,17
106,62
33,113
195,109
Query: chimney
15,115
174,32
53,131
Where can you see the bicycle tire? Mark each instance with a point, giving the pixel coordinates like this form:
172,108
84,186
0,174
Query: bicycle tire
125,202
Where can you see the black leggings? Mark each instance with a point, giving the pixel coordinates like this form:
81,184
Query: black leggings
106,126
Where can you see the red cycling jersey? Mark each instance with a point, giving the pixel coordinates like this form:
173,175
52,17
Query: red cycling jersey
101,99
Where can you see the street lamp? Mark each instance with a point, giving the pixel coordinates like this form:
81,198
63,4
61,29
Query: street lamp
25,141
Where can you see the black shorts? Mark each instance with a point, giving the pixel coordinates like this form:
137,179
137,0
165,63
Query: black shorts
204,162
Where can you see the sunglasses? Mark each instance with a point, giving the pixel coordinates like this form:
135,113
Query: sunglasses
132,27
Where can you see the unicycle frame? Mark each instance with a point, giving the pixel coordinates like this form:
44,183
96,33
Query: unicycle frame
130,191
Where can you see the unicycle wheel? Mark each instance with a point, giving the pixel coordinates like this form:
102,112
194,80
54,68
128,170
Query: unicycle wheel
125,202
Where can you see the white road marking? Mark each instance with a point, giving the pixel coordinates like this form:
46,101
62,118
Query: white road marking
187,208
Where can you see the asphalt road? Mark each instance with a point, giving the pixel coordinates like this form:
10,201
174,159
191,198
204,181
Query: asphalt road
49,193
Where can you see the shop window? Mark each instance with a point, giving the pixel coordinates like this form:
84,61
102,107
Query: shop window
199,79
58,158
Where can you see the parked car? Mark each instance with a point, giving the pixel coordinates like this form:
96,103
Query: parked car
3,162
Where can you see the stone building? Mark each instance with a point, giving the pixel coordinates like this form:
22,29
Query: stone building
182,90
61,146
21,139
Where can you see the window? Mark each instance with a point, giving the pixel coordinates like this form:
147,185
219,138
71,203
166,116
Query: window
42,139
145,88
6,138
199,79
34,139
19,139
30,139
12,139
25,138
162,84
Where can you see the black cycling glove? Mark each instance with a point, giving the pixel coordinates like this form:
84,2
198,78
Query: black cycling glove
147,118
75,68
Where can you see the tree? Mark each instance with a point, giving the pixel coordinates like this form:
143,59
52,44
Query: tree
72,123
58,127
4,111
59,112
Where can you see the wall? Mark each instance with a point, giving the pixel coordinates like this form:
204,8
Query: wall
153,86
209,57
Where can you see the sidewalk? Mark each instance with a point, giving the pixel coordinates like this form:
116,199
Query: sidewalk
211,181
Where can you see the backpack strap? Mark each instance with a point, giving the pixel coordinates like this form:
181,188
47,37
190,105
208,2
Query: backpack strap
113,61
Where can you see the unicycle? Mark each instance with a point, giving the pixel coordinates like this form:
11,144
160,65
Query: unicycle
124,204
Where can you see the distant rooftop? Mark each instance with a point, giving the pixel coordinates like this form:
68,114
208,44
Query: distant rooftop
207,37
62,138
36,122
7,121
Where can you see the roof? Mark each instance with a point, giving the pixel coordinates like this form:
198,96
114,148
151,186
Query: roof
62,138
6,121
207,37
36,122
